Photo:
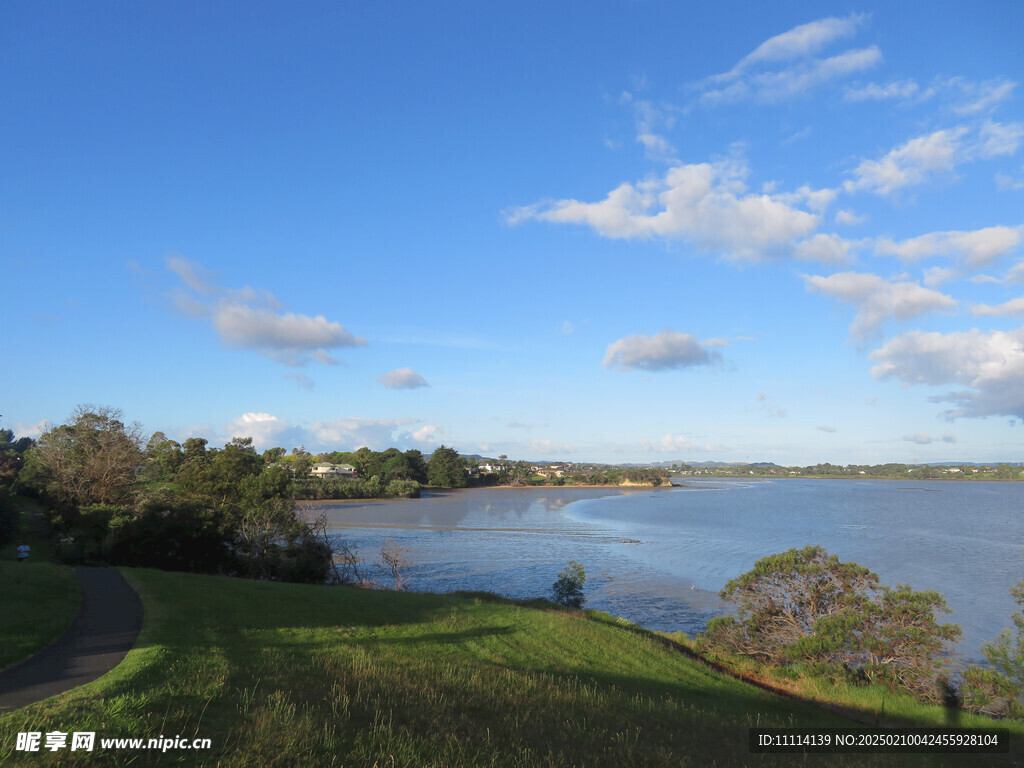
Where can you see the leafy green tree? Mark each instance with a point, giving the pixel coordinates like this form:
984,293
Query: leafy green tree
998,691
446,469
272,455
163,459
417,465
806,606
568,590
220,474
195,450
11,462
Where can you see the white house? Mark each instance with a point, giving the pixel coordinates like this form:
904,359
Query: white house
325,469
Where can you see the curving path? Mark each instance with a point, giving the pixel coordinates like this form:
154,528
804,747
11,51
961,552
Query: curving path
105,629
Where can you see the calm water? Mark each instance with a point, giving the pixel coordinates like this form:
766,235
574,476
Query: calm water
658,558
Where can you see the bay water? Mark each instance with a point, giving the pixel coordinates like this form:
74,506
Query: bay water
658,557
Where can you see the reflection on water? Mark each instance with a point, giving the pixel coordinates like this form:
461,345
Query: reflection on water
660,558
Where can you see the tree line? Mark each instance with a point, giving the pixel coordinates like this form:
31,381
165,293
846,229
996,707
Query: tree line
112,497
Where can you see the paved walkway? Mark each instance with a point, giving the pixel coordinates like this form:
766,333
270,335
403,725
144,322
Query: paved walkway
106,628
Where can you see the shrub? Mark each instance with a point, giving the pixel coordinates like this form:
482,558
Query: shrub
568,590
803,606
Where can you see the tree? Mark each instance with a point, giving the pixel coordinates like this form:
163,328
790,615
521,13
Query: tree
803,605
568,590
446,469
417,465
163,458
218,475
998,691
93,459
396,562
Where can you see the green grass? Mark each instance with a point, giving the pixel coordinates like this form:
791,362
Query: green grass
38,599
285,675
38,602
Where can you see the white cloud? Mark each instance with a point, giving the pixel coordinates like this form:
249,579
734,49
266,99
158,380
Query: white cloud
803,40
351,433
549,447
661,352
1007,183
922,158
705,204
265,429
427,435
192,274
989,363
1016,273
676,443
656,147
974,249
516,424
247,318
825,428
877,299
21,429
909,164
980,97
923,438
825,249
902,89
290,339
344,434
1011,308
849,218
795,81
402,378
996,139
937,275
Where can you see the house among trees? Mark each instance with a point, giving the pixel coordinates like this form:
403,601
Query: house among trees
325,469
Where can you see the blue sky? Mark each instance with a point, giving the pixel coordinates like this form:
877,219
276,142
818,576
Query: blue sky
605,231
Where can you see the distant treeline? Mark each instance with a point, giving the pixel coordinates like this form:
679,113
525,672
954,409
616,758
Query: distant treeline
888,471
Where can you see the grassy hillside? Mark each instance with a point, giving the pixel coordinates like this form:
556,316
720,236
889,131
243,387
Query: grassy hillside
38,599
286,675
38,602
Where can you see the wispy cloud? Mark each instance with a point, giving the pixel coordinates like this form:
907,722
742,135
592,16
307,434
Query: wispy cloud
924,158
901,89
803,40
977,98
301,380
849,218
663,351
783,66
248,318
911,163
923,438
795,81
877,300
